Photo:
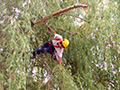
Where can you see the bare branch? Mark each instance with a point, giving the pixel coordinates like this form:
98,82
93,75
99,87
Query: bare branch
61,11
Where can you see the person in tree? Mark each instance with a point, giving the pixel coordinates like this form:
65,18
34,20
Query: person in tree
54,47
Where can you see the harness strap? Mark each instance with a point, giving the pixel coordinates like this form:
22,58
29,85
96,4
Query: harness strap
60,40
57,39
56,46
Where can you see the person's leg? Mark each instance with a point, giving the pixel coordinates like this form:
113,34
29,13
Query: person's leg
47,47
44,48
36,51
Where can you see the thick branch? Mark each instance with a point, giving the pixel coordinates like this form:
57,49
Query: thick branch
60,11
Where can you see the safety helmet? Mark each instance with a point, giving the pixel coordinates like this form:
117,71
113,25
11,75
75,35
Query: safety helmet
65,43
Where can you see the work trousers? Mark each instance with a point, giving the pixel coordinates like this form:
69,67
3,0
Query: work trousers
46,47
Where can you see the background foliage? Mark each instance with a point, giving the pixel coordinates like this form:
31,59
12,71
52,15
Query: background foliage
90,62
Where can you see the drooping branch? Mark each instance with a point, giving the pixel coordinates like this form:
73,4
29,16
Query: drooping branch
61,11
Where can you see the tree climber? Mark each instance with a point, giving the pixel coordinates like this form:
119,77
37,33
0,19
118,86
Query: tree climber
54,47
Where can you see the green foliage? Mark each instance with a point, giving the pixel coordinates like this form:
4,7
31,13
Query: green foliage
91,61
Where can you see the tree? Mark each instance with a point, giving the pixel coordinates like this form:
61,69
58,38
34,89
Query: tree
91,61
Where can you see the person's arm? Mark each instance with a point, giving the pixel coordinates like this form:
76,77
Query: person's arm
51,29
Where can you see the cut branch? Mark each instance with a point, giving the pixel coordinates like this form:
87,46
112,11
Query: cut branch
61,11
